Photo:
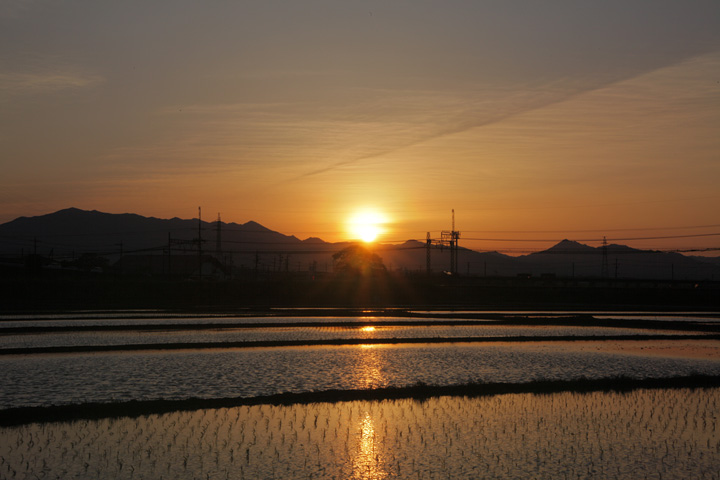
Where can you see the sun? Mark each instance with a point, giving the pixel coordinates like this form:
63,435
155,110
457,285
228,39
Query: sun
366,225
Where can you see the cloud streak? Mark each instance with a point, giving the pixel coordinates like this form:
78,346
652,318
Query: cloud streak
484,112
287,137
38,83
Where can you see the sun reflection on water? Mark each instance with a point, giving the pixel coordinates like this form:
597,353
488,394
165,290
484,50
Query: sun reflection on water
368,371
636,434
367,463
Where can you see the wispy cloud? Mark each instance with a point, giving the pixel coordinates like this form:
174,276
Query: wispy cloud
301,140
451,118
34,83
489,109
298,140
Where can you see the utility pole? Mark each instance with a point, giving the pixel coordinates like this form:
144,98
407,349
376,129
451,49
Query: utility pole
604,269
428,245
616,267
218,242
447,239
454,245
218,245
200,242
169,255
451,239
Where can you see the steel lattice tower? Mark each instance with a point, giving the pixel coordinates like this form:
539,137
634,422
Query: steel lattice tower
604,269
447,239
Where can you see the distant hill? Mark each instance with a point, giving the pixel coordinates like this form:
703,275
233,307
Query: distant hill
93,231
73,232
568,259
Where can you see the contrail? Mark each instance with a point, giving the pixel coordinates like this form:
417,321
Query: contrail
533,100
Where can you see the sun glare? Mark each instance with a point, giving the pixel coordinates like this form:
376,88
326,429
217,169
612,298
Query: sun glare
366,225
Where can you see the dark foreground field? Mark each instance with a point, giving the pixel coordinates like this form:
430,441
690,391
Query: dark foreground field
62,290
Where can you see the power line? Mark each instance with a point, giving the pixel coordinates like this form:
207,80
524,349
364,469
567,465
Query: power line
590,239
670,236
596,230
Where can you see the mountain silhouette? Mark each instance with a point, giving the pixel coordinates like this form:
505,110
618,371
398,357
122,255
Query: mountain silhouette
73,232
567,247
93,231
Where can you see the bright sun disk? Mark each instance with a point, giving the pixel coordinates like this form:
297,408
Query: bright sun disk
366,225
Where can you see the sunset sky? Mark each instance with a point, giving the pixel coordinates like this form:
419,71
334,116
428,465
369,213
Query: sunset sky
534,120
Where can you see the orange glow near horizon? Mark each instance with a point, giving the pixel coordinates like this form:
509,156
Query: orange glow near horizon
333,127
366,225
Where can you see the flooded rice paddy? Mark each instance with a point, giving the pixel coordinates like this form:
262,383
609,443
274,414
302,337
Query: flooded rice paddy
640,434
312,333
660,433
222,373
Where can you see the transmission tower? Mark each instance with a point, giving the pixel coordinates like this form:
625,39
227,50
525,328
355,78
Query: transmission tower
447,239
454,240
428,246
200,240
604,269
218,242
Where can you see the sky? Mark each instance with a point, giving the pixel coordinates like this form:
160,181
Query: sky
533,121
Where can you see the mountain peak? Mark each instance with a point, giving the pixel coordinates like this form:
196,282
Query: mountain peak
569,246
254,226
413,244
69,210
313,240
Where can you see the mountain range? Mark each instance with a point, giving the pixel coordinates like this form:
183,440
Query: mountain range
72,232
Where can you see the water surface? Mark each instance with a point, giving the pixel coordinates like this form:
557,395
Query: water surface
120,376
639,434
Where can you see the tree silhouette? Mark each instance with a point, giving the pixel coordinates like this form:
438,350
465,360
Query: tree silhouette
358,260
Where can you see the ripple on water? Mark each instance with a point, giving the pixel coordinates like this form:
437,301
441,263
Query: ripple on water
63,379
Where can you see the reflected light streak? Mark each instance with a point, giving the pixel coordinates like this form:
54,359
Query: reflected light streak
367,464
368,369
367,329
